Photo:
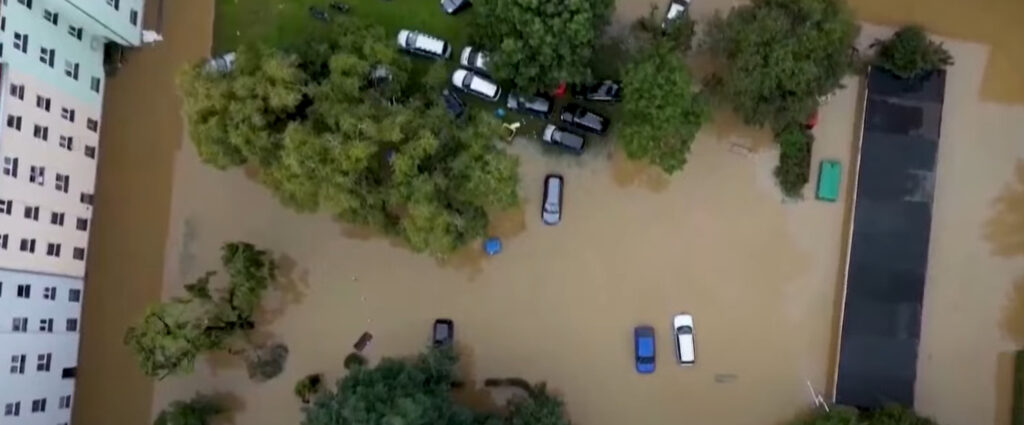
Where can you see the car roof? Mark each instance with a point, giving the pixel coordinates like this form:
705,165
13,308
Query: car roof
483,85
675,9
571,139
429,43
645,345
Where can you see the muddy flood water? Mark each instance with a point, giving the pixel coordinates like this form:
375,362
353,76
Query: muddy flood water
759,275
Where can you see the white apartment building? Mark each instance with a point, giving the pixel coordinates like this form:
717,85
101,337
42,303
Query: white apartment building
51,100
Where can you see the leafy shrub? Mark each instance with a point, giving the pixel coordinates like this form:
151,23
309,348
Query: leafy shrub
794,167
265,363
910,54
307,387
196,411
354,360
1018,390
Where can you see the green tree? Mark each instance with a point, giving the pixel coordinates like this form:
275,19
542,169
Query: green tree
362,140
197,411
308,387
841,415
661,110
775,58
910,54
538,408
794,167
536,44
172,334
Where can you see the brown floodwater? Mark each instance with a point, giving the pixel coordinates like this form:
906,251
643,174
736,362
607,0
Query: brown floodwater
558,305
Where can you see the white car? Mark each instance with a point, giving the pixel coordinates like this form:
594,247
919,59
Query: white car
676,9
682,328
474,59
476,84
551,210
423,44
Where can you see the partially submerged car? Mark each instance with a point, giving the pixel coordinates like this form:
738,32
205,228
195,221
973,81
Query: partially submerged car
676,9
551,209
682,328
584,119
563,138
455,106
474,59
539,106
643,349
423,44
476,84
603,91
444,333
452,7
221,64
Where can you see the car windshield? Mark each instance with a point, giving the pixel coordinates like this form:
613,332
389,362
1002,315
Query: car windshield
467,80
684,330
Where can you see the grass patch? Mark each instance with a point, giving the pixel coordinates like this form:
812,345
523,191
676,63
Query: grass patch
281,23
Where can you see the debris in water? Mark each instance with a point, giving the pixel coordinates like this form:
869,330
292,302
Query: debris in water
724,378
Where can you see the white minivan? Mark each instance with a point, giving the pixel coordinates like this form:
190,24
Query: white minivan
476,84
682,327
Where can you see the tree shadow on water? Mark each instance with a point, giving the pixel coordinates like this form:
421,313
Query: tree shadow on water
1005,229
289,289
630,173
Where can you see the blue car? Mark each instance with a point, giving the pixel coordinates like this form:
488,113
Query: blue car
643,342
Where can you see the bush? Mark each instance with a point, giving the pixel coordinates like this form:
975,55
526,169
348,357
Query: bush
794,167
354,360
1018,390
910,54
265,363
308,387
197,411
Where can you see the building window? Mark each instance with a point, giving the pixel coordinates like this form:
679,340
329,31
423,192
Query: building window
21,42
82,224
57,218
50,16
43,362
65,402
67,142
28,245
50,292
18,364
78,253
32,213
92,125
90,151
133,17
71,325
41,132
19,324
37,174
39,405
14,121
86,198
52,250
11,166
28,3
46,56
6,206
3,23
67,113
18,91
3,245
43,103
63,182
116,4
75,32
74,295
12,409
94,84
24,290
71,69
46,325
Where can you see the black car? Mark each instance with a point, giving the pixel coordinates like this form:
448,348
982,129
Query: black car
455,106
563,138
452,7
533,105
583,119
604,91
444,333
318,14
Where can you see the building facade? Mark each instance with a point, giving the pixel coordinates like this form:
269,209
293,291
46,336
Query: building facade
51,100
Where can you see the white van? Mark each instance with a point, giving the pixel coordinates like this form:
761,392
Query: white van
475,84
682,327
423,44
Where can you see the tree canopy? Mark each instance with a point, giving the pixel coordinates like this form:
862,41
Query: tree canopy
775,58
197,411
661,110
910,54
889,415
537,44
172,334
794,168
418,392
337,125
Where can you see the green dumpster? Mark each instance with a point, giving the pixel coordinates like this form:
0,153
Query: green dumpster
829,174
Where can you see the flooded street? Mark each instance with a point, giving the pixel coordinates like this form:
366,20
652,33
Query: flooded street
558,305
